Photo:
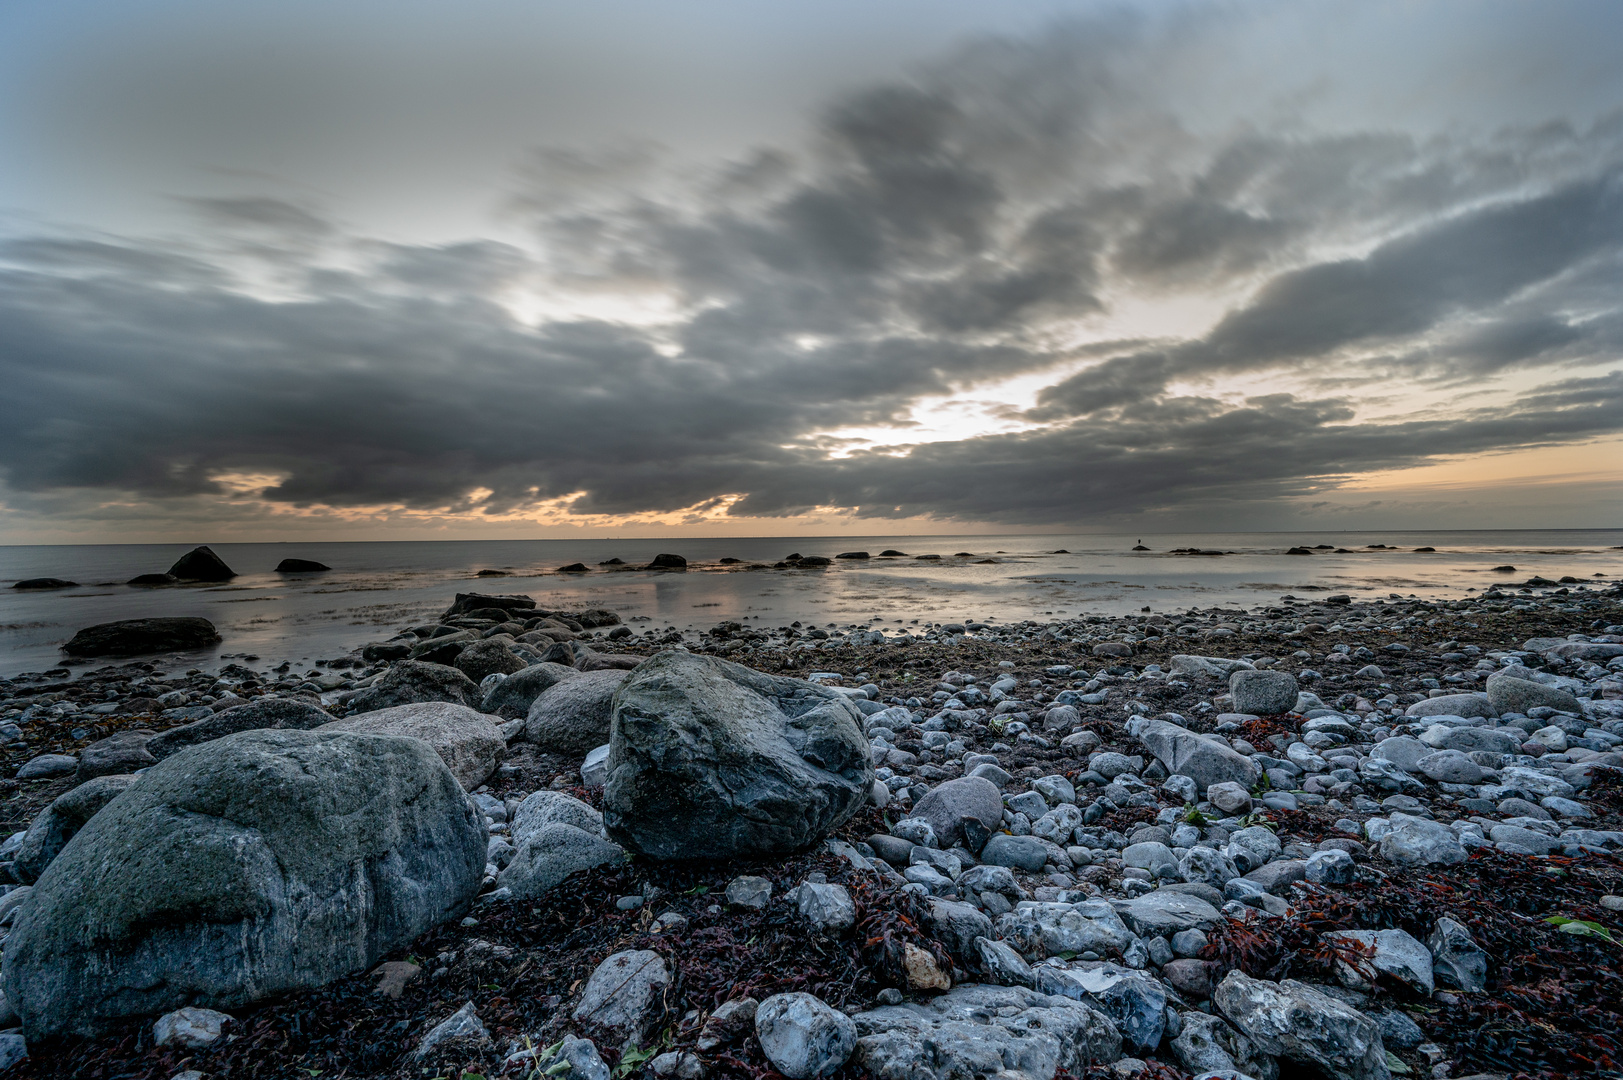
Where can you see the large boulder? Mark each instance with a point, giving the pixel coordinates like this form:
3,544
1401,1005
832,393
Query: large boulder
264,712
201,564
1507,693
488,657
254,865
803,1037
572,716
946,806
469,742
712,760
1294,1021
58,823
511,698
411,681
1263,693
1206,760
132,637
1471,704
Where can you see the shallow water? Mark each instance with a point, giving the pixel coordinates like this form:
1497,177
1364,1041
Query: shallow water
376,587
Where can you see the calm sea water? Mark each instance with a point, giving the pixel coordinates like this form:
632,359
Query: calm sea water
374,588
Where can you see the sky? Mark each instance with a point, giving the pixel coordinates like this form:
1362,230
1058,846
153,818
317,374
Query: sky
500,269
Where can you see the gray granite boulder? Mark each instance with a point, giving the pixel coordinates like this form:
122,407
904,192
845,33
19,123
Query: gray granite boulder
947,804
469,742
408,682
710,759
263,712
1292,1020
1263,692
572,715
980,1030
1507,693
59,822
511,698
254,865
1205,760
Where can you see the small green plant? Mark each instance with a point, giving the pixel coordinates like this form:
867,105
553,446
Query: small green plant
1582,928
1258,818
1262,786
633,1058
1193,816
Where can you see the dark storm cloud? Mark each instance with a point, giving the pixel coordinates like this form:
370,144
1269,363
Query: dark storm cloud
942,233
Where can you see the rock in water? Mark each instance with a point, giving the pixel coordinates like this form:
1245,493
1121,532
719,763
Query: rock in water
201,564
254,865
668,562
131,637
469,742
300,566
411,681
572,716
712,760
46,583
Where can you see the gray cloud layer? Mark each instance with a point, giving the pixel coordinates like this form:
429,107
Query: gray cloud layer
946,232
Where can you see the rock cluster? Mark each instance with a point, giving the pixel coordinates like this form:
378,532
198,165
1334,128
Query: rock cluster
1079,818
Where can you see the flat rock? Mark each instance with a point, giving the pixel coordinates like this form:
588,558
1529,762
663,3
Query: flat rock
625,994
1294,1021
132,637
1204,760
801,1036
981,1030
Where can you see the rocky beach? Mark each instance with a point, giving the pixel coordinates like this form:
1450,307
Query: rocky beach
1318,837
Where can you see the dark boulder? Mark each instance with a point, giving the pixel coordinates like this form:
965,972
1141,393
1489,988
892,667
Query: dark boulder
201,564
852,555
713,760
575,568
411,681
591,618
152,579
488,657
813,560
300,566
511,698
668,562
572,715
45,583
466,602
385,650
131,637
264,712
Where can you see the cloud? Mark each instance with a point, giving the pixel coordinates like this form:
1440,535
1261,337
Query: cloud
945,236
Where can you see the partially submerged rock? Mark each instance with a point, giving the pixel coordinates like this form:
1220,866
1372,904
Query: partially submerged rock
132,637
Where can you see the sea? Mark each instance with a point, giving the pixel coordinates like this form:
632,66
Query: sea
375,588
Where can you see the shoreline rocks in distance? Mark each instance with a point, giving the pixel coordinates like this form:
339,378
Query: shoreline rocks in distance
41,583
201,564
301,566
